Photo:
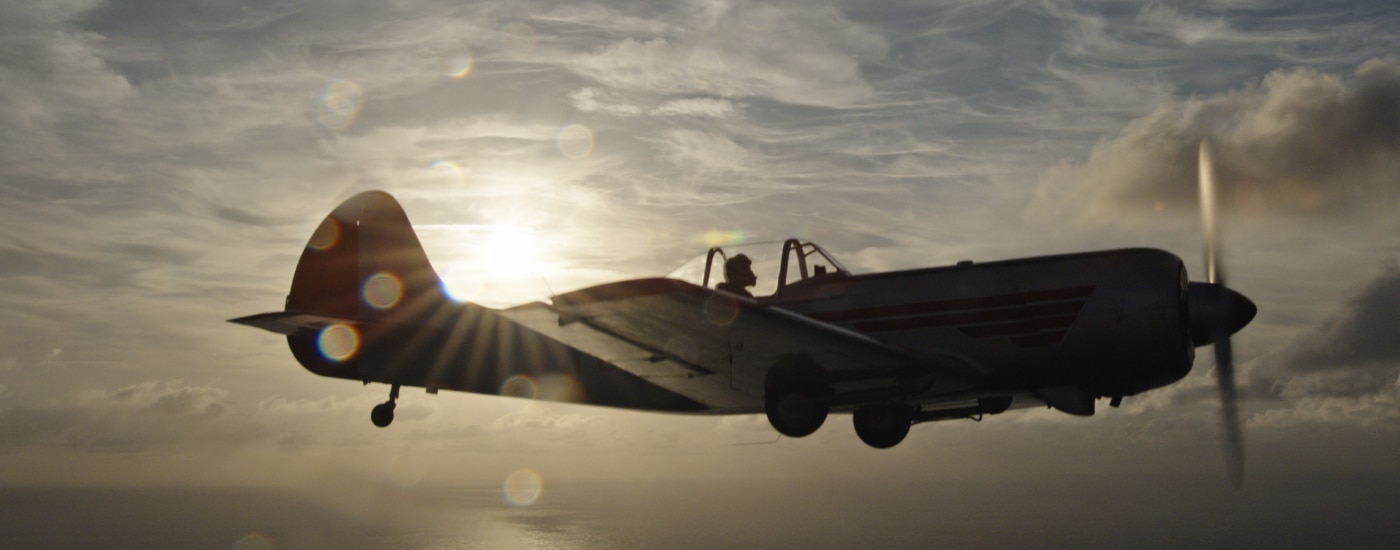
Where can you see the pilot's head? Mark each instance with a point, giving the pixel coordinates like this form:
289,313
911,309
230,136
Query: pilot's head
739,271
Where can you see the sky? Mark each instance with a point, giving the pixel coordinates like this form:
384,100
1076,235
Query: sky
162,164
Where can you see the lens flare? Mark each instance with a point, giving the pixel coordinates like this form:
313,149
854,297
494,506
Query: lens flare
255,541
447,170
522,487
574,141
326,235
715,237
683,348
460,65
520,386
460,284
721,310
338,342
382,291
339,104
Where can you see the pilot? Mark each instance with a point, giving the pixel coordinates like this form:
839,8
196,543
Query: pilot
738,275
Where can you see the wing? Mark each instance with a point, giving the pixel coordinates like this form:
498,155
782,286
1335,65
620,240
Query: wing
717,349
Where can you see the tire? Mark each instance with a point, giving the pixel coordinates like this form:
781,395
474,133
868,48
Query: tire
382,414
882,426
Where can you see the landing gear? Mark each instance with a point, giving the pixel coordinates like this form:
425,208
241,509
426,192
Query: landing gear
883,426
796,400
383,414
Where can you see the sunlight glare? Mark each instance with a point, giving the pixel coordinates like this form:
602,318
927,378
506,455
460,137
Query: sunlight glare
513,252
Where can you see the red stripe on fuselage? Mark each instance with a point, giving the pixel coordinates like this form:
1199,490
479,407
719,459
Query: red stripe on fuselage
1028,319
1001,315
959,304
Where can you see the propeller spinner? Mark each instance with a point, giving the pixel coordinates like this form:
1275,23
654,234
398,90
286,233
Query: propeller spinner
1216,312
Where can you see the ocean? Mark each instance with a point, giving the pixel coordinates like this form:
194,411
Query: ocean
1170,512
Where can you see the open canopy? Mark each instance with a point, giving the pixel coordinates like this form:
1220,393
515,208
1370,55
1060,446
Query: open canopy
777,265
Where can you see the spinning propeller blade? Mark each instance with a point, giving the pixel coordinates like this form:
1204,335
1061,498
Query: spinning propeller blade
1217,312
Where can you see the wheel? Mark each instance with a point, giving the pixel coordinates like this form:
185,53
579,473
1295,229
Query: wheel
382,414
796,411
882,426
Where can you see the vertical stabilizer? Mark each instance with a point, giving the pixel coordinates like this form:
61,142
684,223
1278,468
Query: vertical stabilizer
365,263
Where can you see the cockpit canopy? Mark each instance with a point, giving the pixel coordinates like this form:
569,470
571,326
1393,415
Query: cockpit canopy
777,265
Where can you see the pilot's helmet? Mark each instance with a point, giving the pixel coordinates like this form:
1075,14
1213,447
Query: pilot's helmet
736,266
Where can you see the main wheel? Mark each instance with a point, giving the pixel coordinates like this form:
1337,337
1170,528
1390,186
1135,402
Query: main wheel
382,414
796,411
882,426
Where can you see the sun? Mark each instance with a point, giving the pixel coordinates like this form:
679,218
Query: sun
511,251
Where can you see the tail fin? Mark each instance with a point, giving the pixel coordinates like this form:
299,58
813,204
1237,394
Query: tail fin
362,282
364,263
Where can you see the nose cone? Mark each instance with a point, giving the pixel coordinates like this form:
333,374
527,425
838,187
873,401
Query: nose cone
1216,312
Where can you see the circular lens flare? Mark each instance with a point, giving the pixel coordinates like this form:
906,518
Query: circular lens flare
447,170
460,65
520,386
339,104
574,141
522,487
683,348
721,310
338,342
255,541
382,291
326,235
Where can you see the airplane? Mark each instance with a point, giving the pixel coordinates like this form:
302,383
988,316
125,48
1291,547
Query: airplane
892,349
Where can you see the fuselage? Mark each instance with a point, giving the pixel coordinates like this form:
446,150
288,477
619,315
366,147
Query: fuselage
1111,323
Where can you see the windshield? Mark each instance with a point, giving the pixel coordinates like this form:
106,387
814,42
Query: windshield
776,265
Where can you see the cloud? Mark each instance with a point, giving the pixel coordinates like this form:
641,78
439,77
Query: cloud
1378,408
1361,334
134,417
793,53
1354,353
539,417
697,150
1301,142
1345,370
697,107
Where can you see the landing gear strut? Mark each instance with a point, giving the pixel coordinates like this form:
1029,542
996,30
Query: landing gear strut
383,414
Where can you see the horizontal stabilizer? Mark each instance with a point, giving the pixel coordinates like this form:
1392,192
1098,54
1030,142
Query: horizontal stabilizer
288,322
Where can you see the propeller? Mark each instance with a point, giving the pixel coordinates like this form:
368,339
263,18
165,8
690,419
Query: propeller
1216,312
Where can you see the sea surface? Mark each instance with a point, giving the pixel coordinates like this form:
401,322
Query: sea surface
1165,513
